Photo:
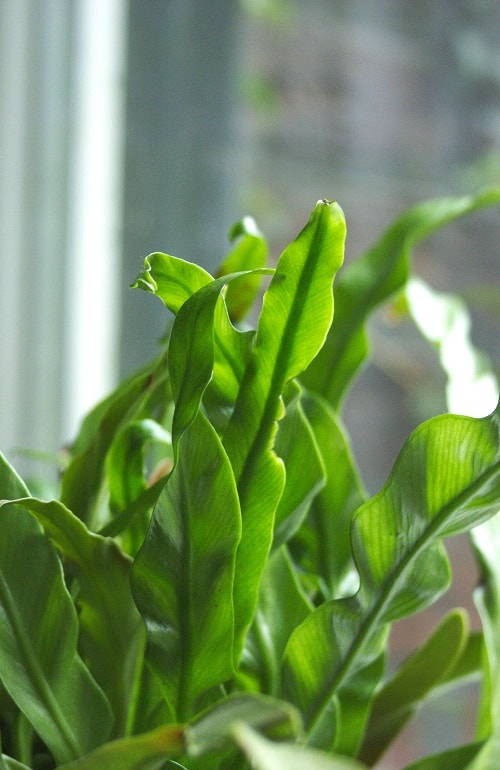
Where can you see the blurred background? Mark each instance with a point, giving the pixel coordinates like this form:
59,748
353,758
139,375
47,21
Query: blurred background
130,126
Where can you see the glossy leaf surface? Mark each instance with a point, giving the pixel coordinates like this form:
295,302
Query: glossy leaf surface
398,699
445,480
111,630
39,664
295,318
183,576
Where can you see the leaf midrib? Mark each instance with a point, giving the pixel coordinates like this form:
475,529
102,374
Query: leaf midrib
36,674
369,625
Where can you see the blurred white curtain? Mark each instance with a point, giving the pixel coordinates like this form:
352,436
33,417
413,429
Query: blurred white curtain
61,125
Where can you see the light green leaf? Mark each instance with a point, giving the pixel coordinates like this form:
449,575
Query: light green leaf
445,481
370,280
192,349
397,701
111,632
182,578
444,320
171,279
296,315
11,484
213,730
248,253
148,751
269,755
39,664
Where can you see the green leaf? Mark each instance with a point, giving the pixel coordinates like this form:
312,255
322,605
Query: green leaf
111,633
126,474
443,319
39,664
182,578
147,751
452,759
82,479
397,701
486,540
282,607
445,480
192,349
370,280
249,253
213,730
296,314
125,462
171,279
11,484
294,441
323,545
269,755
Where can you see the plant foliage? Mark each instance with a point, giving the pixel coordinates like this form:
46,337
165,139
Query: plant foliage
212,587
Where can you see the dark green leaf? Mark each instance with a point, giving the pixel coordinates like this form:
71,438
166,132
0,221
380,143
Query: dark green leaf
282,607
111,631
294,442
323,546
461,758
82,479
183,576
486,539
39,665
400,697
148,751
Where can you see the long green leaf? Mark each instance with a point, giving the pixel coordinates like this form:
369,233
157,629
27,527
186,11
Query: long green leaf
183,576
39,664
148,751
111,632
213,729
11,484
295,440
404,693
296,315
486,540
370,280
445,481
323,545
192,349
269,755
282,607
83,477
460,758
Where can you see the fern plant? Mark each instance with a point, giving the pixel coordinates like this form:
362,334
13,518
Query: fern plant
212,587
